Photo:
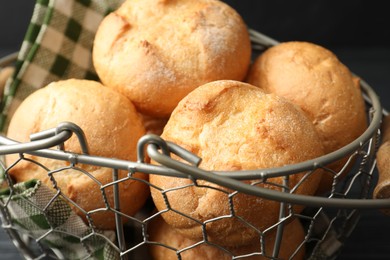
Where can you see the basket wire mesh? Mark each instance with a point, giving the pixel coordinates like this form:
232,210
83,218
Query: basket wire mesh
328,220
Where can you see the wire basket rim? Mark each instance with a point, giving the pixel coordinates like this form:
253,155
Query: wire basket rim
376,113
232,179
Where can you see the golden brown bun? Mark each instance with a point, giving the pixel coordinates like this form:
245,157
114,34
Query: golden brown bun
313,78
161,232
157,51
234,126
112,128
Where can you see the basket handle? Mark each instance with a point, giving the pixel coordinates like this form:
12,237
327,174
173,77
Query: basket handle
194,172
44,140
382,189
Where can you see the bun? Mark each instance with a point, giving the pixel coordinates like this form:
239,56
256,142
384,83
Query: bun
161,232
313,78
112,128
156,51
233,126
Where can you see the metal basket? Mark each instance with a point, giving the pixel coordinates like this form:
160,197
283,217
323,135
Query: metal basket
328,219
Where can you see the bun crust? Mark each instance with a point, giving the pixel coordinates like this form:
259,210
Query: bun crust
112,128
313,78
161,232
156,52
234,126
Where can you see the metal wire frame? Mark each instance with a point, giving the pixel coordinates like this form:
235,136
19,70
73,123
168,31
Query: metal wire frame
160,151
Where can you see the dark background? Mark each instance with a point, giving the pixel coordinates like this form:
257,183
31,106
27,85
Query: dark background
333,23
358,32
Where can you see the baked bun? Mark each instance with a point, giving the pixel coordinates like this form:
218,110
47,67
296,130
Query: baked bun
161,232
157,51
233,126
112,128
313,78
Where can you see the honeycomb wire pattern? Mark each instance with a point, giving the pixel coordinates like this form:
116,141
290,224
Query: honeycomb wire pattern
326,228
322,225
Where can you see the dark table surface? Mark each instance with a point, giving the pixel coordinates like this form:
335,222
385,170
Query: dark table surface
371,61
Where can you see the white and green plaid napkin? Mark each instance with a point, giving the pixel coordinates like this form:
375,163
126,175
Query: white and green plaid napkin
35,211
57,45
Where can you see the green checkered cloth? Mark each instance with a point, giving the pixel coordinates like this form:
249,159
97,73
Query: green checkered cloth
57,45
34,212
